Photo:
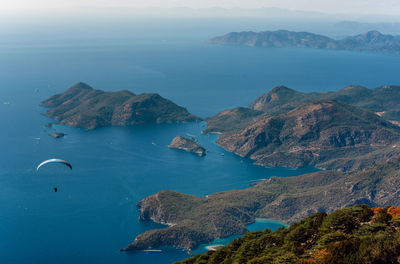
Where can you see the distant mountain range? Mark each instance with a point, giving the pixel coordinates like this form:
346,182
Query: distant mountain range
370,41
82,106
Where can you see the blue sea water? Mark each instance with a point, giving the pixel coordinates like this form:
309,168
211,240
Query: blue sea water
94,214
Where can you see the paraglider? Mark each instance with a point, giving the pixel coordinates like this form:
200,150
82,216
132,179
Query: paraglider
54,161
64,162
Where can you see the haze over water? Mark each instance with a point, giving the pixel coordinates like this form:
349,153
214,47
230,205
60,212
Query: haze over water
94,214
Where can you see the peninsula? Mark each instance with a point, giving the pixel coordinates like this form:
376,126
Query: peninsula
369,41
194,220
82,106
187,144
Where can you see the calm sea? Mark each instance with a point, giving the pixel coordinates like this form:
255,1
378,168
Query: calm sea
94,214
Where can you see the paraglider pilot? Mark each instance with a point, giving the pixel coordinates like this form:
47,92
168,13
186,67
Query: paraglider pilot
54,161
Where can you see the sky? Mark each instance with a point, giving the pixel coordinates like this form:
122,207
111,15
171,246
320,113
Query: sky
391,7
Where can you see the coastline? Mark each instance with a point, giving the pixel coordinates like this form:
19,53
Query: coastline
259,224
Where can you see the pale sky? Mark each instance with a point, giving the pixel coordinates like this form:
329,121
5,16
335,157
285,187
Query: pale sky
327,6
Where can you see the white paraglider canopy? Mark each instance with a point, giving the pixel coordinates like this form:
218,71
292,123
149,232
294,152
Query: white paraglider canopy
54,161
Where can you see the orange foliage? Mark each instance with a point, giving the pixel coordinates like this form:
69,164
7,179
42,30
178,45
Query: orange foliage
393,211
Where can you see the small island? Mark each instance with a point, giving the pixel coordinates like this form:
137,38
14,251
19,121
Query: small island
84,107
187,144
57,135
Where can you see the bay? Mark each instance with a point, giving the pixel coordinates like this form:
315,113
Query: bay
94,213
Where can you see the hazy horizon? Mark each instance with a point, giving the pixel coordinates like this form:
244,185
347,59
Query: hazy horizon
359,10
327,6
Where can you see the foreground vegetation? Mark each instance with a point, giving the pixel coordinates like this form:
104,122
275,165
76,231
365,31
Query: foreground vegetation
355,234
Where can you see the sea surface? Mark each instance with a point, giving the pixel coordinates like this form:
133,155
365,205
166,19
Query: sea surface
94,212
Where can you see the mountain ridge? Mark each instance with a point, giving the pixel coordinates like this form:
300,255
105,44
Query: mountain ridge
384,100
314,133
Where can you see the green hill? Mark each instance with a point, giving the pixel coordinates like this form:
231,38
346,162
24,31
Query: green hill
355,234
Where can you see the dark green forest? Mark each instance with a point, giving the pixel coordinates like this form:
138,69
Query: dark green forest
355,234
